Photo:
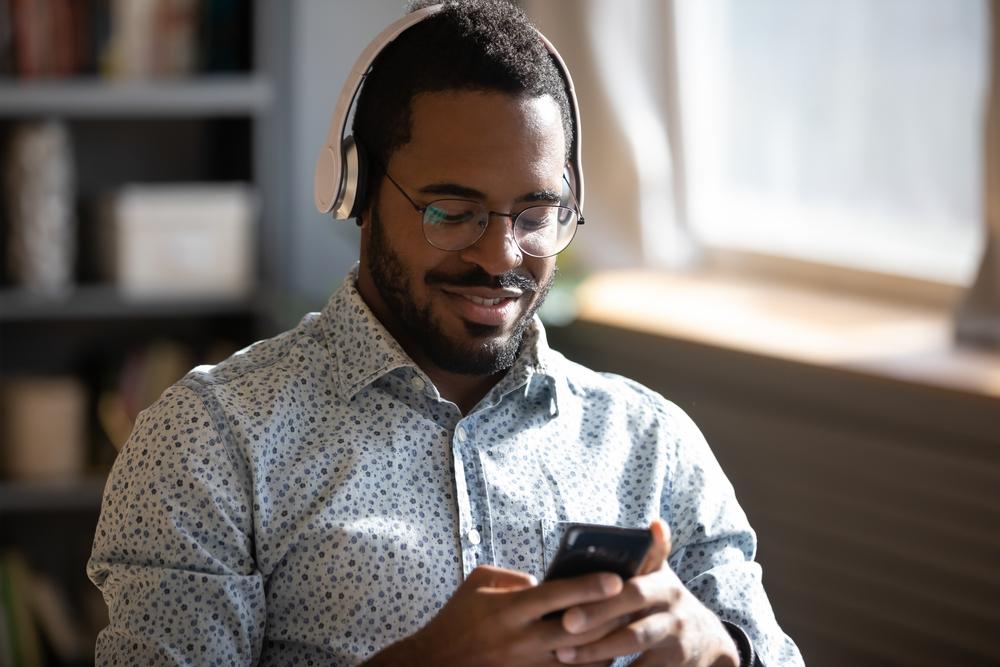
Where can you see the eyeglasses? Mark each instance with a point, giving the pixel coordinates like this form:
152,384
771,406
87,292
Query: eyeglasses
456,224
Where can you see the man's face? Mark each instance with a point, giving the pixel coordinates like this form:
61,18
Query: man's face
465,311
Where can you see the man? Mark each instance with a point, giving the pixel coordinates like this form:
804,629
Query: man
388,481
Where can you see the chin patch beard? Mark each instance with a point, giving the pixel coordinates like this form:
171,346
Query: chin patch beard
481,353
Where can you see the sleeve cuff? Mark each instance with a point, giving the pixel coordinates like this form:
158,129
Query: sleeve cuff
747,656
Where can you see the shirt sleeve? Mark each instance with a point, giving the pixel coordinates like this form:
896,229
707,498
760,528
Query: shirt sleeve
173,552
713,544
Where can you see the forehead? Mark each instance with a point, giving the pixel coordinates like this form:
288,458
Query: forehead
477,138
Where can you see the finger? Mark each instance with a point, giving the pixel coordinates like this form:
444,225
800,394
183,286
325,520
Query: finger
659,549
552,636
490,576
668,537
533,603
657,590
661,629
599,663
670,654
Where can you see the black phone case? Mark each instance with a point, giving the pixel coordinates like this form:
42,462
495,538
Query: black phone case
587,548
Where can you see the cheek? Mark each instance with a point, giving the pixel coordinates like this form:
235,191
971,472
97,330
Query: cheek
542,270
412,255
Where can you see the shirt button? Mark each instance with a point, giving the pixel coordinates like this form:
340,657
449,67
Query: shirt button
418,383
474,537
461,434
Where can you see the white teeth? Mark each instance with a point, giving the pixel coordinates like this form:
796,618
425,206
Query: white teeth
481,301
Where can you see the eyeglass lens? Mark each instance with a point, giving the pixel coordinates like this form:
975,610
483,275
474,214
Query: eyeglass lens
539,231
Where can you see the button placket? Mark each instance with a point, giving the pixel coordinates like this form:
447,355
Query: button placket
470,529
471,538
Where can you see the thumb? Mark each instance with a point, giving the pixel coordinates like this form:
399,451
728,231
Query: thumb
490,576
659,549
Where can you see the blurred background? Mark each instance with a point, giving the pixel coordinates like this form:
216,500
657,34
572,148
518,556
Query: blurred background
792,232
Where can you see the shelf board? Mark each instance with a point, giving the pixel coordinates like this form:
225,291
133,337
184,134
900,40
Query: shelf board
77,494
229,95
107,303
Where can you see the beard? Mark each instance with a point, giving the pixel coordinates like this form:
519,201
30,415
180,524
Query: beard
481,352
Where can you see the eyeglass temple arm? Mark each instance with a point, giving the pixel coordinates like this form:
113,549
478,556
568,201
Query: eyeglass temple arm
576,202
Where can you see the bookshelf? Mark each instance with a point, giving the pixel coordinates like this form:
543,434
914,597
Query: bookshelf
218,95
58,496
102,302
211,127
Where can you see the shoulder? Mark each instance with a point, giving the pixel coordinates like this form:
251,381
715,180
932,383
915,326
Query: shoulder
214,401
610,392
306,342
267,373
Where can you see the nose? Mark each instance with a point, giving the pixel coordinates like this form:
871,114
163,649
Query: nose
496,251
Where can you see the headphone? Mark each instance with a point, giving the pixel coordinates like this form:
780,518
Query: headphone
339,181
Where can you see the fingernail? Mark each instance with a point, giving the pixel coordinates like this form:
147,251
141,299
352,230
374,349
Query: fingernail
565,654
533,580
611,584
574,620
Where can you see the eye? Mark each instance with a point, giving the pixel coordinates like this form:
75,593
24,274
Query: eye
530,224
457,217
538,217
450,213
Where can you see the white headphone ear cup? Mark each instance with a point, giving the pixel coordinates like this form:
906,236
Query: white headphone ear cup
348,183
362,180
326,180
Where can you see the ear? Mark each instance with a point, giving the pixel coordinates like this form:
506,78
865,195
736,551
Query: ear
365,216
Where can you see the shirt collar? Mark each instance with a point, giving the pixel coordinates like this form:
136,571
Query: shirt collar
364,350
362,347
534,371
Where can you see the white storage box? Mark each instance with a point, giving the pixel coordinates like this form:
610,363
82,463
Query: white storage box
183,240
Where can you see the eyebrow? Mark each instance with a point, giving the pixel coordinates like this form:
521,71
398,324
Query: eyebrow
465,192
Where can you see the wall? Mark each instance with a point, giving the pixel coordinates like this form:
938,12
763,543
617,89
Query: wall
326,39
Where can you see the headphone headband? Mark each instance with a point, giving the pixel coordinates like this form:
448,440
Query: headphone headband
340,171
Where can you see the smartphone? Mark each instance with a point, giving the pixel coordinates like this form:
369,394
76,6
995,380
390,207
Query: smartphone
587,548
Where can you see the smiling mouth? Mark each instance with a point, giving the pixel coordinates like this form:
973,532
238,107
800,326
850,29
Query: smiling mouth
493,310
484,302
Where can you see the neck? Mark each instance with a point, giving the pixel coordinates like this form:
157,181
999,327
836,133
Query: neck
463,390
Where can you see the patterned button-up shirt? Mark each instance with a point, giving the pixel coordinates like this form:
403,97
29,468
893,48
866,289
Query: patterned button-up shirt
314,498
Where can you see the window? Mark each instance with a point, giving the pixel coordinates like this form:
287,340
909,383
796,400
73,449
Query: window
847,133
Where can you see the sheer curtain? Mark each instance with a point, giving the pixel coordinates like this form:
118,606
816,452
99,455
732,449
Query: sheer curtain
978,318
622,58
846,133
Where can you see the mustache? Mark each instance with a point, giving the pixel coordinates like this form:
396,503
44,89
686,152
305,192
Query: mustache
477,277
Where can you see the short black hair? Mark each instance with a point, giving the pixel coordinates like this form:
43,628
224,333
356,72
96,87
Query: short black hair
482,45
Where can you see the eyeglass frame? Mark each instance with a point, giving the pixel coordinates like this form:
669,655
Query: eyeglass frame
422,210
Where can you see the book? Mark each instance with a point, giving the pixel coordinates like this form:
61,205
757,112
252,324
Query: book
22,632
6,40
128,39
44,427
55,619
145,374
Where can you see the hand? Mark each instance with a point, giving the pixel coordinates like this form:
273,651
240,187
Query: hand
659,618
495,619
